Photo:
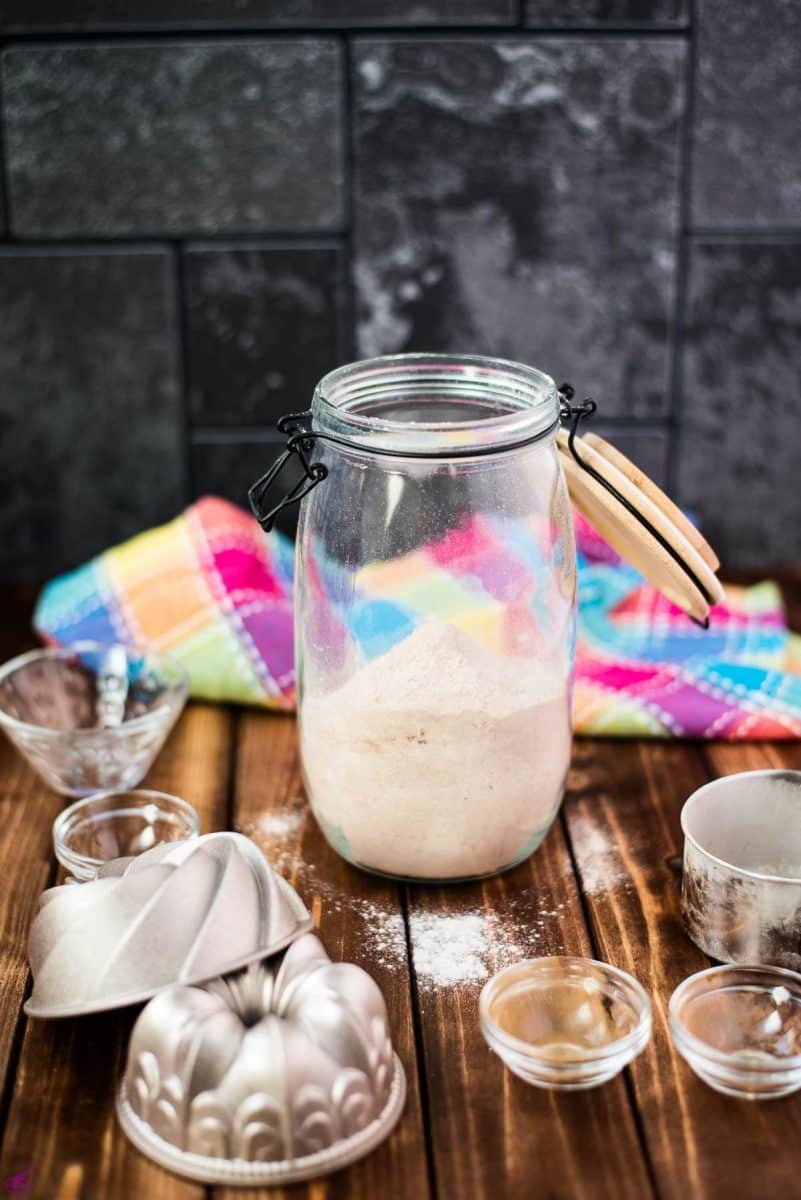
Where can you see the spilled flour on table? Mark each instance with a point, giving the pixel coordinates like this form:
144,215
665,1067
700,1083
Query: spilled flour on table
460,949
597,857
278,835
448,949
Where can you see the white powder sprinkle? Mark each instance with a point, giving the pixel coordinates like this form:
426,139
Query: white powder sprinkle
381,929
277,834
280,826
598,859
450,950
383,933
463,949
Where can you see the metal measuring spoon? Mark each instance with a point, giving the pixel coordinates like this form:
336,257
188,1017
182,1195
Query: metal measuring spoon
112,687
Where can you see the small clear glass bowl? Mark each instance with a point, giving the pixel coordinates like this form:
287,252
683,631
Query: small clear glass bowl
119,825
48,708
565,1023
739,1028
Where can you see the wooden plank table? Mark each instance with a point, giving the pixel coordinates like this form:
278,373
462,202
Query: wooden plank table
604,883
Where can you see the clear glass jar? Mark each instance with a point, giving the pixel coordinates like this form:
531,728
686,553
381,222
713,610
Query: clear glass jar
435,612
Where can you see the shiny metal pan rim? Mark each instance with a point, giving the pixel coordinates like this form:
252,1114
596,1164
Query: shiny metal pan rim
204,1169
128,999
259,864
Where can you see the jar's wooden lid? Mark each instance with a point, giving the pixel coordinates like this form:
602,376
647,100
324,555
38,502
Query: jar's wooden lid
641,523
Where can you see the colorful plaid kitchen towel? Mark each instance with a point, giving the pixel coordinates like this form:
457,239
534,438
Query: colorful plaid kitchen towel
215,591
643,669
208,587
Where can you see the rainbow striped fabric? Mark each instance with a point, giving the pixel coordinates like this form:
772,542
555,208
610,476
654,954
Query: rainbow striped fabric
643,669
208,587
213,590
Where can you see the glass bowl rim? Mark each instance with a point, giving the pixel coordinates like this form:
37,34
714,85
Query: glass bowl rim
745,872
703,1050
178,688
636,1037
78,807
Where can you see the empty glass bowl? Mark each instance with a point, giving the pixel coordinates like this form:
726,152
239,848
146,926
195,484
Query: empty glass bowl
119,825
739,1028
565,1023
53,712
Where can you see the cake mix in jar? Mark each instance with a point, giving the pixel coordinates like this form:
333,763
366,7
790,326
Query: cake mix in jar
439,758
435,605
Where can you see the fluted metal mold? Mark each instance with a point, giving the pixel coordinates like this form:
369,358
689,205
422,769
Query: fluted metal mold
281,1072
181,913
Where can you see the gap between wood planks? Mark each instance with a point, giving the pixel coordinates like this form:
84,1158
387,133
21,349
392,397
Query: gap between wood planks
622,818
61,1118
419,1043
591,932
267,787
492,1134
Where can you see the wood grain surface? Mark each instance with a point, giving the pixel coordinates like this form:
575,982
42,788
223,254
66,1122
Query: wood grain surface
605,883
359,920
61,1118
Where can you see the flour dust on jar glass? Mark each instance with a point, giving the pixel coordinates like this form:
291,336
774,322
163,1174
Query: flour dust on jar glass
435,611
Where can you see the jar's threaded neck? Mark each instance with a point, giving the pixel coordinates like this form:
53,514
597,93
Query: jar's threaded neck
432,404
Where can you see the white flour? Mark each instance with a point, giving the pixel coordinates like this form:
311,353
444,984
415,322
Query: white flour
449,949
600,867
438,759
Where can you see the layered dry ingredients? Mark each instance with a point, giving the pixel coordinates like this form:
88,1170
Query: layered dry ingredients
438,760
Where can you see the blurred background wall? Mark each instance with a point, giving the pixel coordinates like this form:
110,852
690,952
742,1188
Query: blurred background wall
209,203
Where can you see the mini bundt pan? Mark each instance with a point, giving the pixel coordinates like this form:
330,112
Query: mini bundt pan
180,913
281,1072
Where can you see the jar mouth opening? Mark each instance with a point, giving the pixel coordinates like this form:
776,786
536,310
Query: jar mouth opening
433,404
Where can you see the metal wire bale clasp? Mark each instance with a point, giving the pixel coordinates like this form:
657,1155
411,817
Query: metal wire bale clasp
575,413
302,439
300,444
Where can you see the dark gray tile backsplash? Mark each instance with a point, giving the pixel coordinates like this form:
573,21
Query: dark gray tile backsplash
263,324
210,203
395,12
646,445
20,15
521,199
610,14
174,138
747,136
91,429
741,430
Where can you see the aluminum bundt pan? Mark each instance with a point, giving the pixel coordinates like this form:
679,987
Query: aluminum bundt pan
180,913
281,1072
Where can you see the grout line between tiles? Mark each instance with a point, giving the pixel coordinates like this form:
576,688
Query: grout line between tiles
194,240
683,249
235,435
145,36
181,350
346,302
743,233
5,162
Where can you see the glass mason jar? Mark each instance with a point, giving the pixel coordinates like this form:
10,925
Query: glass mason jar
435,614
